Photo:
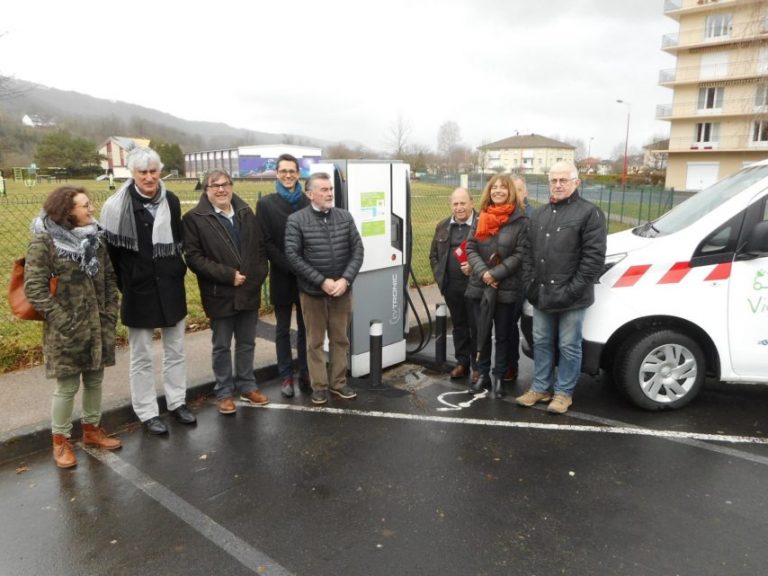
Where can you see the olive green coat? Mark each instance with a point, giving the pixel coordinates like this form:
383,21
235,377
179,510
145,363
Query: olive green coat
79,326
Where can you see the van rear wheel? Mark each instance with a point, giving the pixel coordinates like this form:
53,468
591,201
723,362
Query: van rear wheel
660,369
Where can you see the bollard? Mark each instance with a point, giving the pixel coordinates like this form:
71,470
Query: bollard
441,329
376,332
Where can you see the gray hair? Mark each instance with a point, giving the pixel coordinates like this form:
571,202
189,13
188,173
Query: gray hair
141,158
564,165
215,173
317,176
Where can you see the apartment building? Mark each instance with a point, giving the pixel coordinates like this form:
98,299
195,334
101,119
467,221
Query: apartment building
719,109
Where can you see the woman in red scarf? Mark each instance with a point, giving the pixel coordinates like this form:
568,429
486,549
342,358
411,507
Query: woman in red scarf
497,251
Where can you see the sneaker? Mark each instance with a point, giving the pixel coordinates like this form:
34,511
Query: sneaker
531,397
345,392
227,406
286,388
319,396
254,398
559,404
305,383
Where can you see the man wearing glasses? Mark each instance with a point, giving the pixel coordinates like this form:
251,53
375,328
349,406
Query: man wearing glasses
222,245
568,242
272,212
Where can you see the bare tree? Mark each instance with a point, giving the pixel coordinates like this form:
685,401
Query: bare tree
397,137
448,137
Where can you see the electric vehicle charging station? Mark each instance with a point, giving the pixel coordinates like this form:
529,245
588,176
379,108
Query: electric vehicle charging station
375,192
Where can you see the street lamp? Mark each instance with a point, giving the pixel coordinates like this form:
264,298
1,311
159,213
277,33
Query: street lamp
626,143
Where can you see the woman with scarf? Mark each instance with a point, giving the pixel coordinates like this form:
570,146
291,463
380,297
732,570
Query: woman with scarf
497,251
79,320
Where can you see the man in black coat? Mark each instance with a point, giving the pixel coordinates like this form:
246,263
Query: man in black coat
223,248
142,224
451,269
568,243
326,252
272,212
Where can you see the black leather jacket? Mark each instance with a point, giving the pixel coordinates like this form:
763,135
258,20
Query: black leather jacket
568,242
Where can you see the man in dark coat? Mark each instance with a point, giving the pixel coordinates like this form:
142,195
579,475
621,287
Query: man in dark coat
142,223
326,252
568,242
451,269
223,248
272,212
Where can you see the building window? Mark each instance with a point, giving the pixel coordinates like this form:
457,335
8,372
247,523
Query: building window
718,26
761,96
713,65
760,131
710,99
706,134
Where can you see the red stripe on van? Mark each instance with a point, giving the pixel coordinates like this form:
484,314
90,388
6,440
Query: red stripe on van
721,272
631,276
676,273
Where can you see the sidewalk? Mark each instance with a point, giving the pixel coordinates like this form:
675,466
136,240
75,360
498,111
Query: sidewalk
25,395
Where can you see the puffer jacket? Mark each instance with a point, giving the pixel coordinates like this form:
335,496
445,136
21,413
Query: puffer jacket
511,244
322,245
211,254
79,321
568,242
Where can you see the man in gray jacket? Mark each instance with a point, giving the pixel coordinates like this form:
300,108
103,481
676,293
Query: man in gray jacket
568,242
325,251
222,245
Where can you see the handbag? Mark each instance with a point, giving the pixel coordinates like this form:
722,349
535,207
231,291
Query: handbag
17,298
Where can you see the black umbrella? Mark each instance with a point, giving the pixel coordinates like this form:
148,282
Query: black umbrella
485,319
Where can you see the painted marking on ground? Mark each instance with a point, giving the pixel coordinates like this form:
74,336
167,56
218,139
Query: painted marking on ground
607,429
461,405
239,549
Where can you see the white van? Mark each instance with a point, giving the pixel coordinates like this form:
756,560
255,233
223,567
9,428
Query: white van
686,296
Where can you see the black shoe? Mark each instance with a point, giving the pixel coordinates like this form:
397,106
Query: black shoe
155,426
480,384
184,415
319,396
305,384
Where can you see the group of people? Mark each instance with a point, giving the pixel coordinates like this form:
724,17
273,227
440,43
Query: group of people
488,263
137,254
135,257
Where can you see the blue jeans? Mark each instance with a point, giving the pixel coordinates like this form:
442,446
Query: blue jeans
561,330
283,340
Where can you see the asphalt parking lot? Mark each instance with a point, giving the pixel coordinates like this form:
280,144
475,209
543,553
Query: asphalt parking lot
418,478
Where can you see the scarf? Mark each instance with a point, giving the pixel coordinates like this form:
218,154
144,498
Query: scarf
492,219
80,244
292,197
119,222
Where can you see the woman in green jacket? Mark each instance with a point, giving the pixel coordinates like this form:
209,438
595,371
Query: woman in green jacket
79,320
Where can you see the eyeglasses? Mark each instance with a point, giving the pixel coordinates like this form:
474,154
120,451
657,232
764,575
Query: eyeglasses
287,172
220,186
561,181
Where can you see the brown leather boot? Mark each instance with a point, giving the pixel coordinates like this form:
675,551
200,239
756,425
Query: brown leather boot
63,452
93,435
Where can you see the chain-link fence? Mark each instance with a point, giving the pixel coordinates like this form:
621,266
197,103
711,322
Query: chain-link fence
20,340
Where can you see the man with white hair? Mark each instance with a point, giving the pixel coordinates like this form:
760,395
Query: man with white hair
142,223
568,241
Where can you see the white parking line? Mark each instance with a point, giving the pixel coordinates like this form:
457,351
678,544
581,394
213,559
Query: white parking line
607,429
240,550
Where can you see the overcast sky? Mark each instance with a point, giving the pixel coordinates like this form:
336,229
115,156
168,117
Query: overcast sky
346,70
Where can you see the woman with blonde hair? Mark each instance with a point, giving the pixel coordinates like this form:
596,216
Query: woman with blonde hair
498,252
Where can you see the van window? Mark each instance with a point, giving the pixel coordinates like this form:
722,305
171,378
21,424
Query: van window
706,201
720,244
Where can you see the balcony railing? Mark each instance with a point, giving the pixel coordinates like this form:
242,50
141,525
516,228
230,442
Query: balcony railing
723,144
670,5
748,106
667,75
731,70
670,40
663,110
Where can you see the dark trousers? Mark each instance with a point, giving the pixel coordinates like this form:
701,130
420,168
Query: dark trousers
504,329
514,338
463,320
283,339
243,327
